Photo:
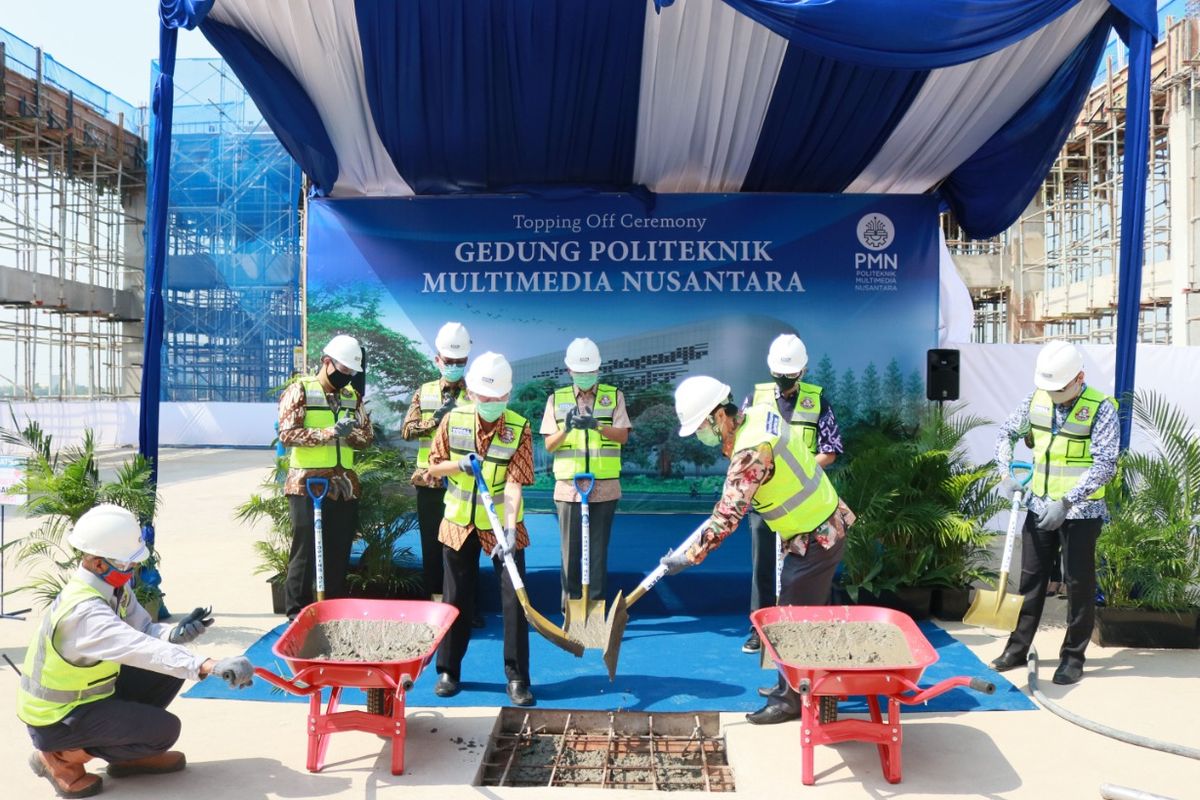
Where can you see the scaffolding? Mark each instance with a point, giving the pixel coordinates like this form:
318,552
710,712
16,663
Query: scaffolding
232,288
72,191
1056,267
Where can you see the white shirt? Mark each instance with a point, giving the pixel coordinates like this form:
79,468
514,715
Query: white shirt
92,632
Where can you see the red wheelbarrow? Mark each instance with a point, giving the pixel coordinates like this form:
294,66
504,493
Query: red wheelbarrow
394,678
898,684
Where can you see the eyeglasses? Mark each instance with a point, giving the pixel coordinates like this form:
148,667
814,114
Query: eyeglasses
454,362
120,566
785,375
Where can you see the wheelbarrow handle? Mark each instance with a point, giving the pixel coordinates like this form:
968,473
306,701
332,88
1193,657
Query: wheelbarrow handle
290,686
303,686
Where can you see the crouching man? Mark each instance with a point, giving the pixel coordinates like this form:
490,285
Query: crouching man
99,674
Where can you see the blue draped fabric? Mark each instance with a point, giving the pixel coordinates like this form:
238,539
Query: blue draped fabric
284,103
1133,213
825,123
903,34
996,183
524,92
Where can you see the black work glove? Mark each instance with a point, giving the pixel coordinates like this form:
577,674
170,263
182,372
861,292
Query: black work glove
445,409
344,426
586,422
191,626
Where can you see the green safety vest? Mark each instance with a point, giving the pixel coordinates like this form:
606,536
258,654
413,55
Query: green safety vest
807,413
1060,459
799,496
318,414
587,451
463,506
51,687
431,401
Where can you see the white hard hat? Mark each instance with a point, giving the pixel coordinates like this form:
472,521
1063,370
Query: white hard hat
695,399
490,375
788,355
1057,365
109,531
346,351
582,356
453,341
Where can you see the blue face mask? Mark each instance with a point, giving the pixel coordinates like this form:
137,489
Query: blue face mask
490,411
453,372
585,380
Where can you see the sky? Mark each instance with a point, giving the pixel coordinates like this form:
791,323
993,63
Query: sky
110,43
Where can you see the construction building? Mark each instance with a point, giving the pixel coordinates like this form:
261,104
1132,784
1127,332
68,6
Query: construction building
72,210
1053,273
232,290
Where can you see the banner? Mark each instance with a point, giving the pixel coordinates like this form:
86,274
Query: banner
668,286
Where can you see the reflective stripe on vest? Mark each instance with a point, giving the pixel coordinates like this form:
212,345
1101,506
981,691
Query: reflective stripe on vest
1061,458
51,687
318,414
463,506
431,401
799,496
587,451
806,414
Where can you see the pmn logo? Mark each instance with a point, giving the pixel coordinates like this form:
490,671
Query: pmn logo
876,231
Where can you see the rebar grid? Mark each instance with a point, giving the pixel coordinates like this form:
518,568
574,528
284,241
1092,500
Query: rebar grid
578,752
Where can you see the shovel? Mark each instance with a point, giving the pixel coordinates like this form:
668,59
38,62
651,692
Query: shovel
998,609
317,489
554,634
618,615
585,618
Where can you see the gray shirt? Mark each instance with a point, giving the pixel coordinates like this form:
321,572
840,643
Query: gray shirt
1106,440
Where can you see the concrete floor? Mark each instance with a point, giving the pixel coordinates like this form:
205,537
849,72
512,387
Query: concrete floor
250,750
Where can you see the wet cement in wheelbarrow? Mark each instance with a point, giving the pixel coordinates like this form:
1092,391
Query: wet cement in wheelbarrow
840,644
368,640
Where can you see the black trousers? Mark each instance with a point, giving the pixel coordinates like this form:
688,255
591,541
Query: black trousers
339,523
763,544
570,533
431,506
461,590
132,723
1076,541
806,581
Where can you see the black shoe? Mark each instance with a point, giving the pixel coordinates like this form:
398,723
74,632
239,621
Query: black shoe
477,620
446,686
765,691
519,694
772,714
1008,661
752,644
1068,673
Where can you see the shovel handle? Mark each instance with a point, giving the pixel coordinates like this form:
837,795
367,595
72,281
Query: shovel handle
312,485
1021,472
660,571
489,506
584,483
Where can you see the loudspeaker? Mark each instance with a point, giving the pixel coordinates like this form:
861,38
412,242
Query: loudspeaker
941,375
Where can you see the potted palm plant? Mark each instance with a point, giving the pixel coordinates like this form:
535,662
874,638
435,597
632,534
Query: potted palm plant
59,486
1148,552
270,505
921,509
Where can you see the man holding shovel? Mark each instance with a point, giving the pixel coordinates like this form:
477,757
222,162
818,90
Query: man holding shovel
322,422
804,407
584,425
99,674
772,471
1075,441
487,430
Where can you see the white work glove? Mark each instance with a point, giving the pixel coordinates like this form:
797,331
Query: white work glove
237,671
464,463
1054,515
675,562
1008,486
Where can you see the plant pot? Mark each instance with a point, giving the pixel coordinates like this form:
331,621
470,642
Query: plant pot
951,604
277,601
153,607
1140,627
912,600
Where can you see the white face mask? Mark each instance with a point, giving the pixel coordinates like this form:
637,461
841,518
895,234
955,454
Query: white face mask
707,434
1066,394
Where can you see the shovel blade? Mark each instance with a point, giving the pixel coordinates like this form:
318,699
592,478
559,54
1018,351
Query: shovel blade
994,609
618,617
585,623
553,634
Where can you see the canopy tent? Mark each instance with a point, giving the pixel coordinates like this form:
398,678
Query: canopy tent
969,99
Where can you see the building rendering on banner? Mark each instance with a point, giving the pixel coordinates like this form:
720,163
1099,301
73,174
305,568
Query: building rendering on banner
712,347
